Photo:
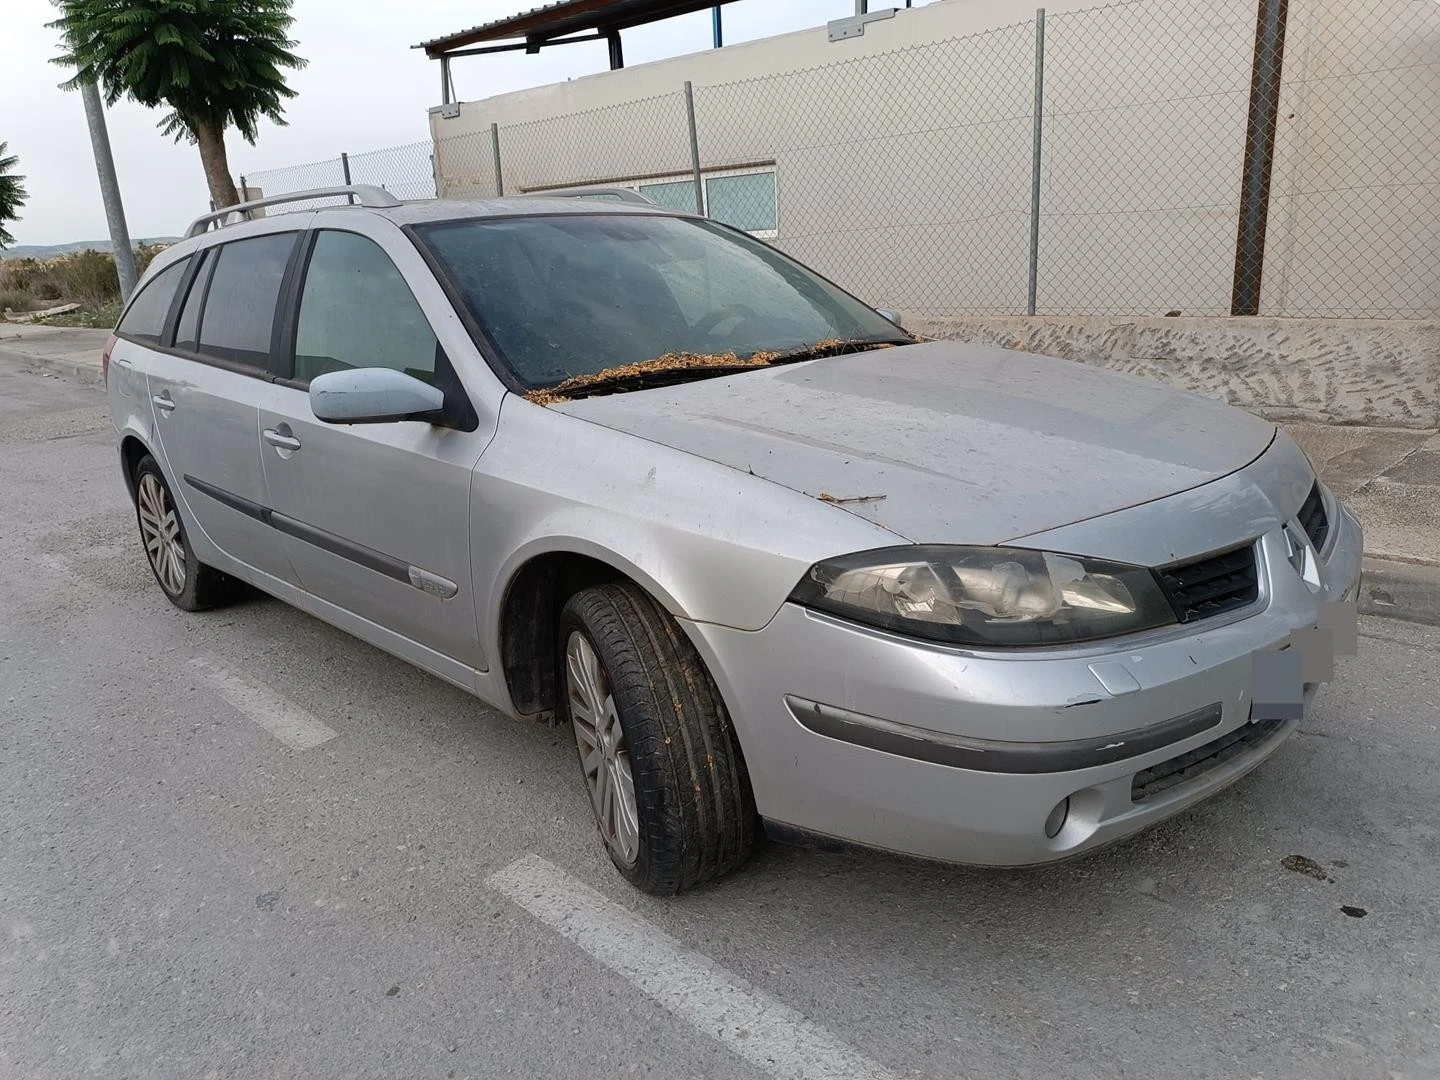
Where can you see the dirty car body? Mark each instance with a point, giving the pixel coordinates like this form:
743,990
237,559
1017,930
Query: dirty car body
955,601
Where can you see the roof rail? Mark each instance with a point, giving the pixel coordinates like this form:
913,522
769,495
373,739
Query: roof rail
614,194
363,194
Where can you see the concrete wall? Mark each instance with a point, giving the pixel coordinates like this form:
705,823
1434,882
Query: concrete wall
1381,372
903,157
1355,196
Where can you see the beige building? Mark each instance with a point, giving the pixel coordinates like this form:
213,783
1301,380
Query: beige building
900,161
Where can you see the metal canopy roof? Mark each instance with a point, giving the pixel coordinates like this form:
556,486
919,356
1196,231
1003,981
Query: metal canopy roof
565,17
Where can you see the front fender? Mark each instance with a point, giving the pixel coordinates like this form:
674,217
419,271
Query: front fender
709,542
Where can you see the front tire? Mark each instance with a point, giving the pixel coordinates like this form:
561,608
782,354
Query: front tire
666,778
186,582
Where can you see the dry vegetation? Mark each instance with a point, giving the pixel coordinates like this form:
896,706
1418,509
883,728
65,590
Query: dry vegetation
87,278
564,391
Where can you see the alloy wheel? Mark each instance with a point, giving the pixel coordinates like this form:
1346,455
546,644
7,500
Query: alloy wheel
160,531
604,756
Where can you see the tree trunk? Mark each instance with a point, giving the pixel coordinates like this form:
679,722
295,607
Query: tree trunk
210,137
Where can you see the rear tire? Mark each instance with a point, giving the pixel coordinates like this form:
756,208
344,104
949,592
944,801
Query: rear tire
647,715
186,582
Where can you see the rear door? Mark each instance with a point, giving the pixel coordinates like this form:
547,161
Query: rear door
377,515
137,336
205,389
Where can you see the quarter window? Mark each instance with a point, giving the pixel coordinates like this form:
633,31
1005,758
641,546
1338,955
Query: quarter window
187,330
145,319
356,312
240,303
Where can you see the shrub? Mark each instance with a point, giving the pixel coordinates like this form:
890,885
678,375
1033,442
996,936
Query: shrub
15,300
145,255
88,277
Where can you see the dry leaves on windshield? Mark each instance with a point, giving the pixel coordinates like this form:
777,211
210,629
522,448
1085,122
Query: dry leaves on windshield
561,391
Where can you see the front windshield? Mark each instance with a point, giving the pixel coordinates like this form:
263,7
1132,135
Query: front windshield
567,295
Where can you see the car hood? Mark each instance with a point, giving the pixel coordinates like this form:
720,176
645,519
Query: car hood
966,444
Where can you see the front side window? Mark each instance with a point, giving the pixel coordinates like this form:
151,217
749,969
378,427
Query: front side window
356,312
145,318
566,295
240,303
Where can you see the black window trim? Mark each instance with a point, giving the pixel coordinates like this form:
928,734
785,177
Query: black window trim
267,373
490,350
203,265
169,312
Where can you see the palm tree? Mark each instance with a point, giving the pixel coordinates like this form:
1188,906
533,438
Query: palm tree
215,63
12,195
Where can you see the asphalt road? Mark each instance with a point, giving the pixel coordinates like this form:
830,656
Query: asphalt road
242,844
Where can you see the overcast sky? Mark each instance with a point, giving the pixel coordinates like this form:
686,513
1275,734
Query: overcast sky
364,89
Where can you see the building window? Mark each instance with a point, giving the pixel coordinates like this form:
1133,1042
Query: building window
672,194
744,198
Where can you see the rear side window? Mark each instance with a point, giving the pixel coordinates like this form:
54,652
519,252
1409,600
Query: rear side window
187,330
145,318
240,303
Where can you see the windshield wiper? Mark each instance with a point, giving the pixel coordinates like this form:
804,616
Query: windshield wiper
683,367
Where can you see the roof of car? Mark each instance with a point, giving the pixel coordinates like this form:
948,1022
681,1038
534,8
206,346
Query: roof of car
408,213
219,227
380,202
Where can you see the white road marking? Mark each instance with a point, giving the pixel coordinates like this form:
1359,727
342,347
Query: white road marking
277,714
755,1026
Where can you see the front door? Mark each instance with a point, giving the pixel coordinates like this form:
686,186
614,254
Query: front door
376,516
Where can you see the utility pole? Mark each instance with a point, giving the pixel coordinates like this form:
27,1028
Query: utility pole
109,189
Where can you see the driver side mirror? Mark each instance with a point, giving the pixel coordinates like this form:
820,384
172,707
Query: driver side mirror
374,396
894,316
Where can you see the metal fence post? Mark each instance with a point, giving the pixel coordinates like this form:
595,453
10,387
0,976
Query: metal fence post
1037,140
694,147
345,172
495,151
1259,156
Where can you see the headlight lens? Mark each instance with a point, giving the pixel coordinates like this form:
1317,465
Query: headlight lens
1003,597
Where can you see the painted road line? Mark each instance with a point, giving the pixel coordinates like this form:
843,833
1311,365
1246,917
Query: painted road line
755,1026
277,714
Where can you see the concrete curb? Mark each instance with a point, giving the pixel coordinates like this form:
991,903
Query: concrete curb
1400,590
85,371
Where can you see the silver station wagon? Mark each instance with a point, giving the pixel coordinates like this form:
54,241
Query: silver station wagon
780,565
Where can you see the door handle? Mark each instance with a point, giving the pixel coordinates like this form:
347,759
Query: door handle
162,401
280,440
124,363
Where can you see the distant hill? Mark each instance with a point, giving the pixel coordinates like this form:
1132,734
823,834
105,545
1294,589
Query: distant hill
46,251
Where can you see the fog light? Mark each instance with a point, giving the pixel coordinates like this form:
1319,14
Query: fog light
1056,821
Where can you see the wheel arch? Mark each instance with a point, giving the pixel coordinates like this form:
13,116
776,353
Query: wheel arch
539,579
132,451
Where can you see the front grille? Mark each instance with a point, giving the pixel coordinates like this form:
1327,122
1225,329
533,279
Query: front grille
1313,518
1212,585
1157,778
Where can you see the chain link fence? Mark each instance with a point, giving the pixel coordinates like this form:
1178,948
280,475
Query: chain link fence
1147,157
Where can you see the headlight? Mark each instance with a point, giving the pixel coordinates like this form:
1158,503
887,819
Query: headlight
986,596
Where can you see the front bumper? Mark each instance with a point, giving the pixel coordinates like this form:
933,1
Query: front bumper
963,755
